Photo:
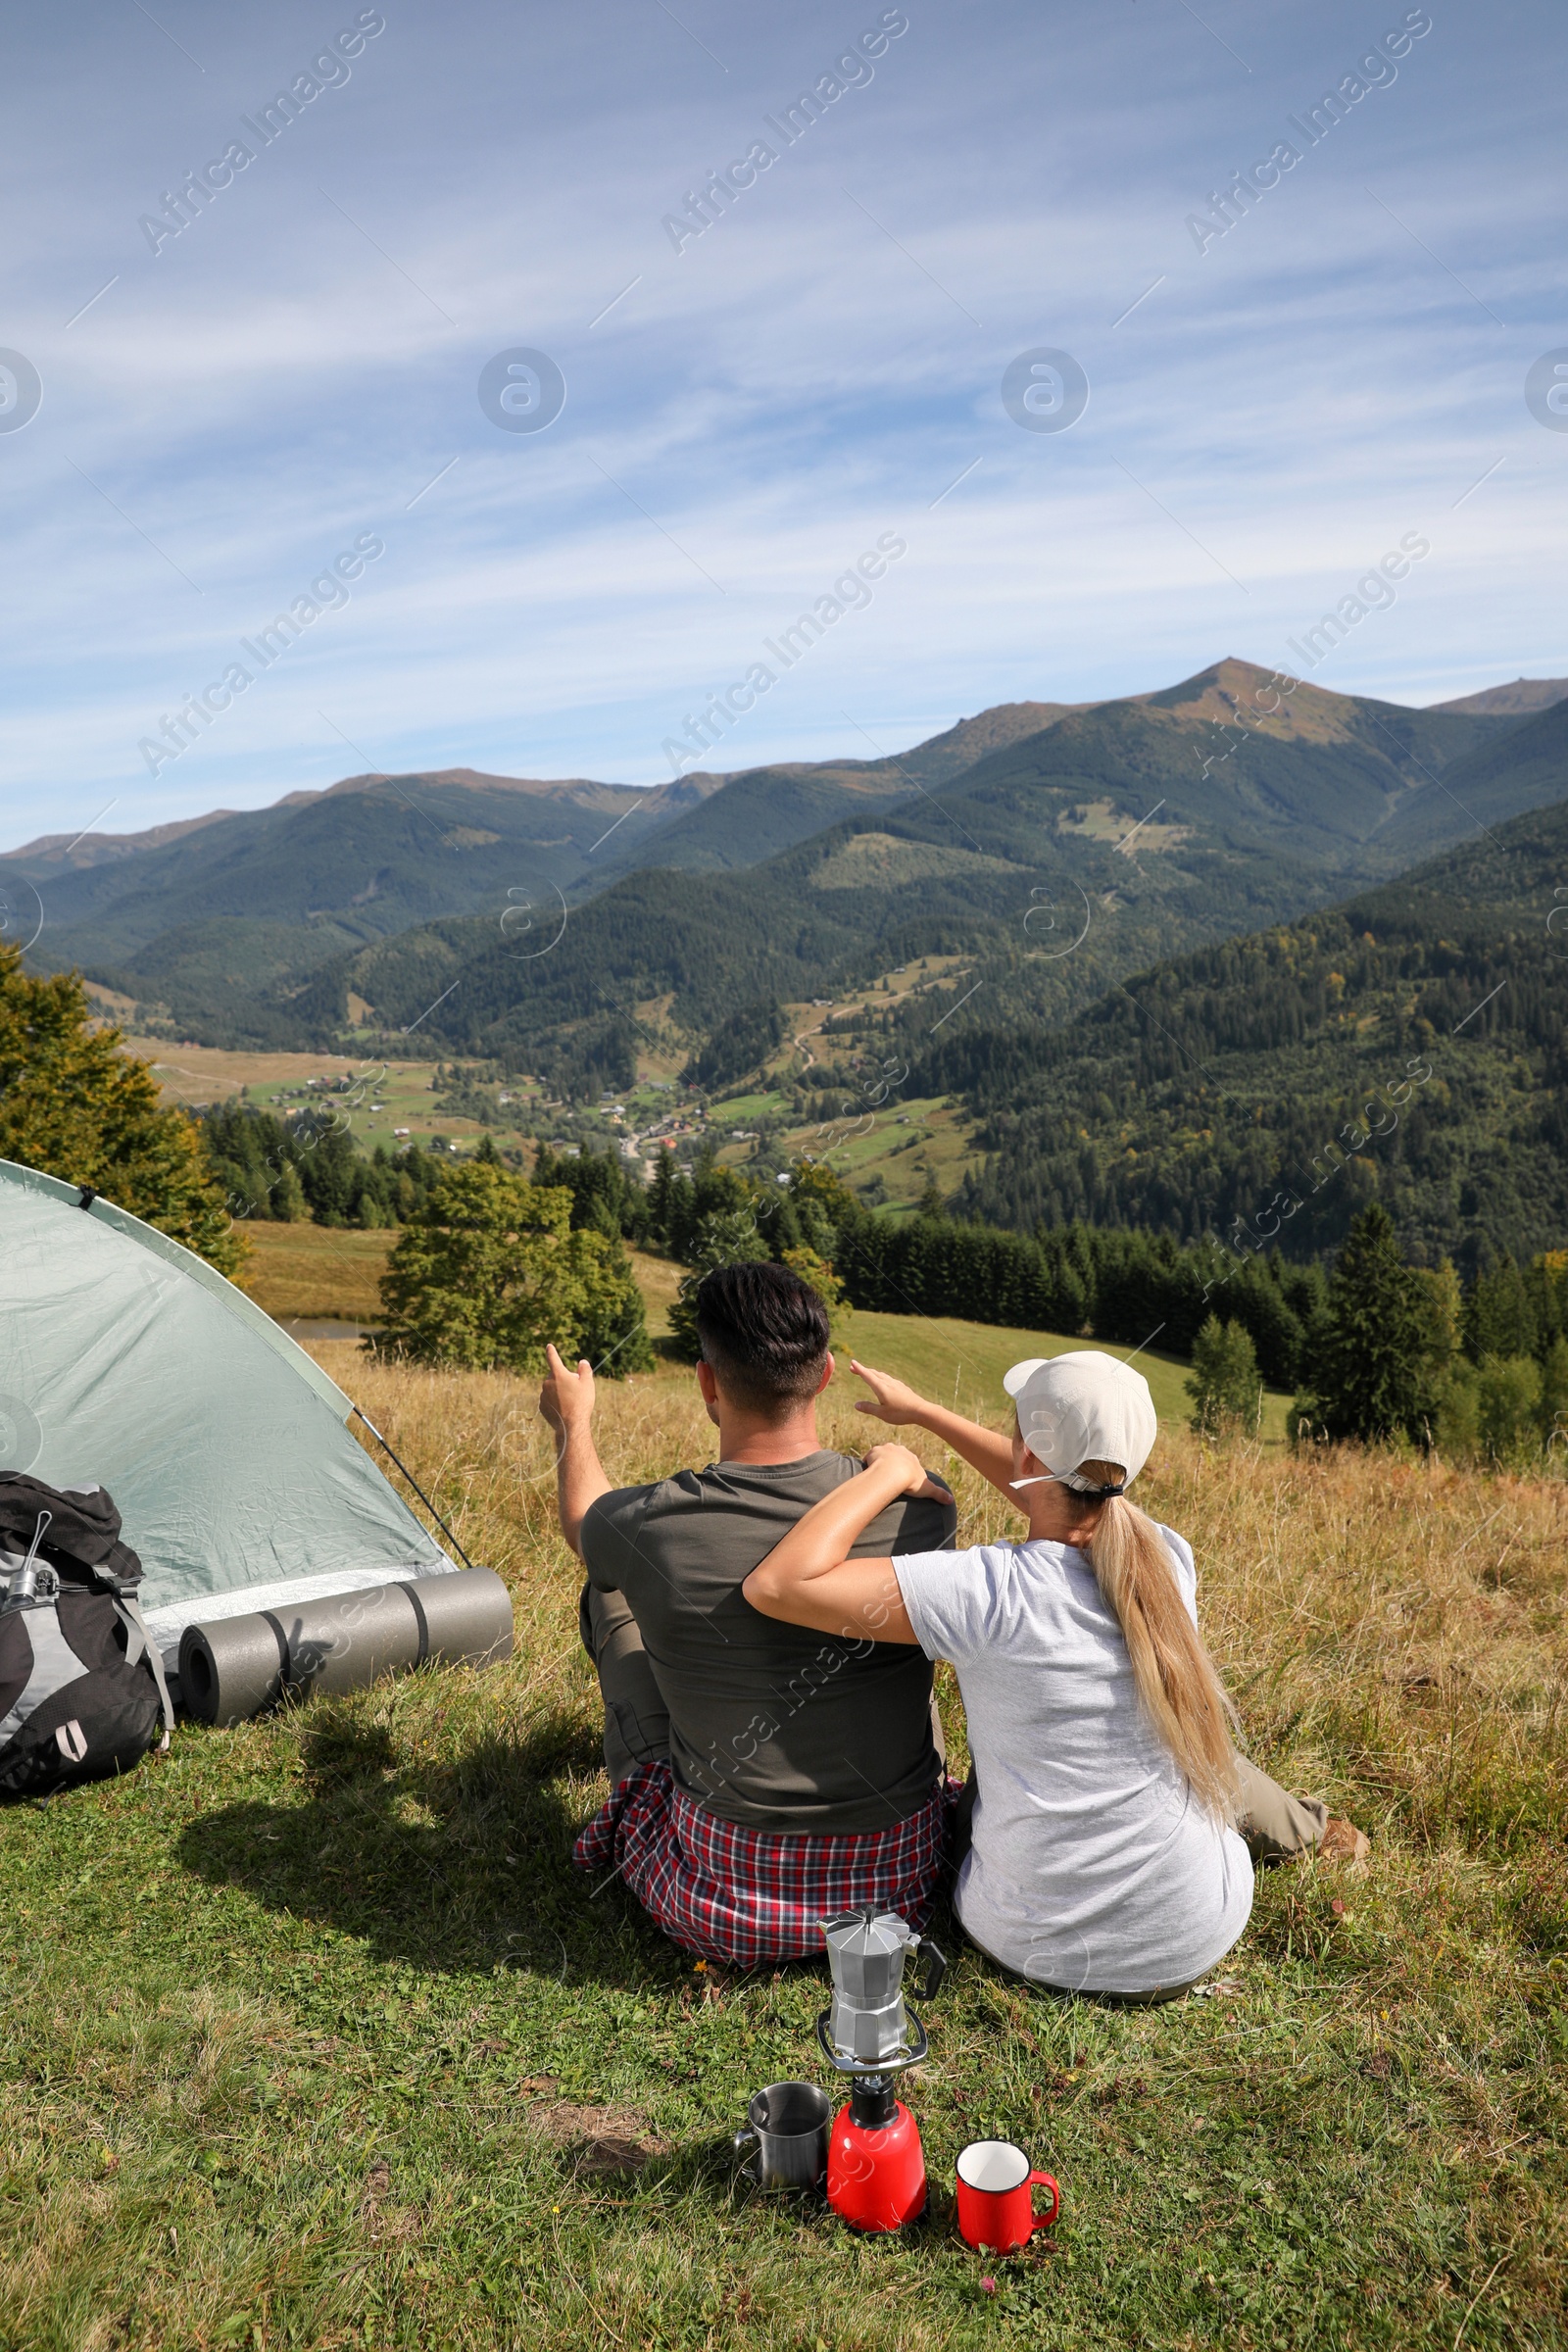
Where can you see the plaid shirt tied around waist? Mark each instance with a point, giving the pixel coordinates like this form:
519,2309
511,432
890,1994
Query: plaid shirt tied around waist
743,1896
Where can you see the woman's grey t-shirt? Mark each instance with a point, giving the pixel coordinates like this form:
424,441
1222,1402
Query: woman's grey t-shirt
1093,1868
770,1725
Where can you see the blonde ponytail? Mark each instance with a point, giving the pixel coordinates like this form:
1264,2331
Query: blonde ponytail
1175,1674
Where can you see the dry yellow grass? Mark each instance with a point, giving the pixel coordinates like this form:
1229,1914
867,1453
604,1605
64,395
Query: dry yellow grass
315,1270
1377,1614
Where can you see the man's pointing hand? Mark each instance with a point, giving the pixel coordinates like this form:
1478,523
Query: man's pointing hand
567,1399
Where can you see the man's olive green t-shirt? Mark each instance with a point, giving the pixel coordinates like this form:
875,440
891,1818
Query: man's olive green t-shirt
774,1726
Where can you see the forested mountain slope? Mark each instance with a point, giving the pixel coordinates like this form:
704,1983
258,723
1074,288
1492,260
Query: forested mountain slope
219,917
320,872
1410,1045
1249,765
1125,833
1525,767
764,810
1147,826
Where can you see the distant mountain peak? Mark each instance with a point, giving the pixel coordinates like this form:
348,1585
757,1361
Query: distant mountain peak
1233,693
85,850
969,740
100,849
473,779
1514,701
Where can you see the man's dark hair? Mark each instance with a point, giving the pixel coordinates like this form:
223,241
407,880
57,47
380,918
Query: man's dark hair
763,1335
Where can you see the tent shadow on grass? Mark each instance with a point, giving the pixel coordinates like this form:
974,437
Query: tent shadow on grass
453,1866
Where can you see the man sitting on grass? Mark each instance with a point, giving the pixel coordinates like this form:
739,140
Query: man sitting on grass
764,1777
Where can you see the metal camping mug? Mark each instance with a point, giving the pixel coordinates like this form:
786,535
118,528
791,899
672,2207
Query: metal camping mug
788,2129
995,2204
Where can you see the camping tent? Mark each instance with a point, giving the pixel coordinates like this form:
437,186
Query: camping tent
126,1362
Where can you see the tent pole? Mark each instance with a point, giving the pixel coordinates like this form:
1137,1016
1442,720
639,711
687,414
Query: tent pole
418,1490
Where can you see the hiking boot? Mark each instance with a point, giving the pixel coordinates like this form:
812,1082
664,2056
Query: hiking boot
1343,1841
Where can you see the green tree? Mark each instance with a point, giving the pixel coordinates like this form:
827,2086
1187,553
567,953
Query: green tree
1371,1373
1552,1410
1508,1405
613,1332
661,1191
1456,1417
726,1238
1499,1316
604,1193
819,1194
489,1270
1441,1303
811,1221
288,1200
818,1274
74,1105
1225,1388
738,1044
1508,1411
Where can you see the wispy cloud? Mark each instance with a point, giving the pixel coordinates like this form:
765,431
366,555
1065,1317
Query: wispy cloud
266,383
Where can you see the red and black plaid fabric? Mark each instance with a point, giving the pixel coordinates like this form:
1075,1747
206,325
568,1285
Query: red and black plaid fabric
742,1895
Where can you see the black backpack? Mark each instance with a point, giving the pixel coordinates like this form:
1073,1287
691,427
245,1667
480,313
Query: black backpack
81,1682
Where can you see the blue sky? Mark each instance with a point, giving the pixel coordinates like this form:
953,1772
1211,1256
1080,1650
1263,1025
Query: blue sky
820,367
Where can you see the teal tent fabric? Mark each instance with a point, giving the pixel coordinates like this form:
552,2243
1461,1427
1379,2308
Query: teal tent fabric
126,1362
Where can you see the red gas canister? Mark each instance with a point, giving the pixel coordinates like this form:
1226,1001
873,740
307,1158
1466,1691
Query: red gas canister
875,2167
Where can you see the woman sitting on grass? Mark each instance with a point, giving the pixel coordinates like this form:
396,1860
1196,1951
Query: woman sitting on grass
1112,1819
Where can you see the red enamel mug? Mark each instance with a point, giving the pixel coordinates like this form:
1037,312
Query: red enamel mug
996,2199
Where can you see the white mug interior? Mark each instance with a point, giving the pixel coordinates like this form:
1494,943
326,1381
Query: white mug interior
992,2165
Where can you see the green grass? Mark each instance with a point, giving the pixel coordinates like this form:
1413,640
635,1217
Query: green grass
315,2038
296,2044
901,1141
311,1270
739,1110
961,1364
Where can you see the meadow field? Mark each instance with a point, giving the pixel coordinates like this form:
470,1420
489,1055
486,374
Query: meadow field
318,1273
396,1106
315,2038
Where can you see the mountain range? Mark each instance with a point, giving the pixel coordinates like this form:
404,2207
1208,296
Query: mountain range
215,920
1054,849
1127,832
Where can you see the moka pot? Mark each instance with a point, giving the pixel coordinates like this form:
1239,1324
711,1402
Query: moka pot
875,2163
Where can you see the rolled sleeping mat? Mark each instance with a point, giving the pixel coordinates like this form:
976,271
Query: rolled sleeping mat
238,1666
232,1669
466,1618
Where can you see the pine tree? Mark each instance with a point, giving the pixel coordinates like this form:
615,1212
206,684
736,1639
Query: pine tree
1371,1375
1499,1314
659,1192
74,1105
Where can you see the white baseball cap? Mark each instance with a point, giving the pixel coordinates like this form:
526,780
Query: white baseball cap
1084,1406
